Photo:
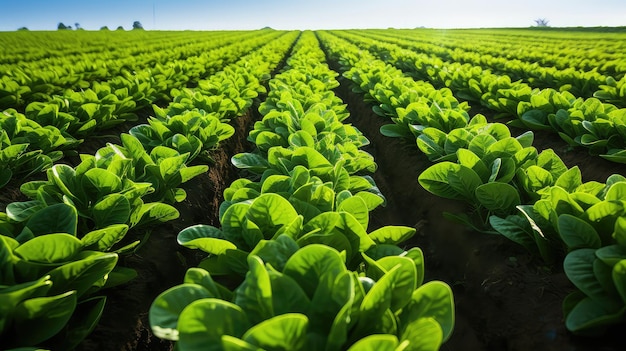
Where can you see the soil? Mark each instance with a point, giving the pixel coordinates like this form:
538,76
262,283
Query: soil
505,298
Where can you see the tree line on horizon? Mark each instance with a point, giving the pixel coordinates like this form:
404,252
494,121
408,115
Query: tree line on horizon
62,26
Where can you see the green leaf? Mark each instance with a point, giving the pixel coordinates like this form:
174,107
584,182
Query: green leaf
254,295
423,334
516,229
276,252
435,179
284,332
376,342
167,307
570,180
82,323
589,315
392,234
21,211
83,274
432,300
204,322
98,182
112,209
358,208
578,266
50,248
270,212
40,318
619,278
577,234
58,218
307,265
154,212
501,197
105,238
252,162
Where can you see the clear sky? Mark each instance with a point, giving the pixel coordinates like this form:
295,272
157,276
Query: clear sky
320,14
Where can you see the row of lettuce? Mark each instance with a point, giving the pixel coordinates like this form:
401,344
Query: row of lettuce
581,122
40,65
60,249
562,49
32,140
573,63
530,197
293,266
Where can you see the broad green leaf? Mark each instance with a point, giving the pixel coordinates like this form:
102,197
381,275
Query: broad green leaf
105,238
276,252
464,182
498,196
83,274
49,248
423,334
405,282
21,211
112,209
307,265
40,318
284,332
98,182
392,234
577,234
167,307
516,229
58,218
376,342
270,212
435,179
287,295
432,300
358,208
619,278
204,322
578,266
254,295
591,314
83,321
332,294
570,180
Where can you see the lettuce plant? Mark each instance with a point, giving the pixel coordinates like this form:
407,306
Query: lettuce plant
49,275
102,191
312,303
248,225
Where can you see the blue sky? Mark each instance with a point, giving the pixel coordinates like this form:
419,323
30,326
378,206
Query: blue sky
321,14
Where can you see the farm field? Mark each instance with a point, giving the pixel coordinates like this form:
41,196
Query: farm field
313,190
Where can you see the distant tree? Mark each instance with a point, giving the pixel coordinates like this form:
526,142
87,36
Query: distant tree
61,26
22,29
137,25
104,28
120,28
542,22
77,25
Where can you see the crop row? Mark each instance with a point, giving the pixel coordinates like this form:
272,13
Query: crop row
589,123
32,141
531,198
26,81
580,83
540,49
294,243
52,268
